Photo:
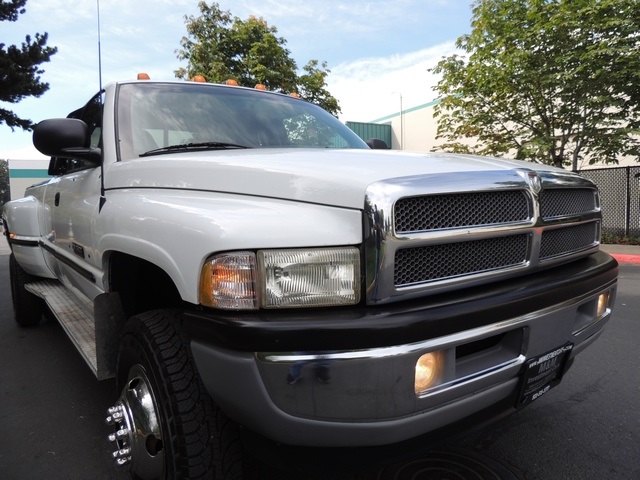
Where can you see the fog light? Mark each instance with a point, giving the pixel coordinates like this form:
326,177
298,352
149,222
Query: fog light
428,371
603,304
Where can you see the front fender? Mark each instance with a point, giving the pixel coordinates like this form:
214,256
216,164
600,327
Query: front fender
177,230
22,219
23,234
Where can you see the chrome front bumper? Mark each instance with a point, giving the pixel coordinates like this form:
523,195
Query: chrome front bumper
367,397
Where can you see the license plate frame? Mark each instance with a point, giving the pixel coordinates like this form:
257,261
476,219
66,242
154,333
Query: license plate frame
542,373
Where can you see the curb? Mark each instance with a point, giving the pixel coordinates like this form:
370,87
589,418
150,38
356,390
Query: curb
626,259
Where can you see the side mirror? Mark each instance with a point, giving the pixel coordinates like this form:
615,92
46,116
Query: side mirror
64,137
377,144
58,166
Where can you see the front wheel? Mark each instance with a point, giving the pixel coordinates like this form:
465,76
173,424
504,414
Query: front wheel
27,308
167,426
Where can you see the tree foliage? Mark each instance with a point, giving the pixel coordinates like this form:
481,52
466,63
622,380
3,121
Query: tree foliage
19,71
5,192
555,81
221,47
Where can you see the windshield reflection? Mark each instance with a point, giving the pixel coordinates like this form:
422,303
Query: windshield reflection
154,116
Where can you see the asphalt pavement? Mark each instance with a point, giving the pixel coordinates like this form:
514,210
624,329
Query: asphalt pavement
52,411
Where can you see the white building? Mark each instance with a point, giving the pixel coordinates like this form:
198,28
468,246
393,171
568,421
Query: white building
24,173
415,129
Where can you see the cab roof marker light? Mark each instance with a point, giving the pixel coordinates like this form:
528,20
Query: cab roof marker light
199,79
231,82
294,95
260,86
143,76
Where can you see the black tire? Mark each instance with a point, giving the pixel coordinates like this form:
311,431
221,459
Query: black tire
27,307
196,439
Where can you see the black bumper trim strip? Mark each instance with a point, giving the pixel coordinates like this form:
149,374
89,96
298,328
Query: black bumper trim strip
23,243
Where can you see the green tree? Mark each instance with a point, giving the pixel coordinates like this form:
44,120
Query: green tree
221,47
311,86
19,71
555,81
5,193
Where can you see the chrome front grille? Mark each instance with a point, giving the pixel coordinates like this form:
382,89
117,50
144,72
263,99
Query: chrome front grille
567,240
436,233
435,212
556,202
437,262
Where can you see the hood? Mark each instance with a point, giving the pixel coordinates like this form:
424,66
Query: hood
327,177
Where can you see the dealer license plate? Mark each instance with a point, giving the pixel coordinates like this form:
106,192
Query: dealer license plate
542,373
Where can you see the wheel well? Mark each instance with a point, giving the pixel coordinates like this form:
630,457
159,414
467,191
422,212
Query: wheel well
142,286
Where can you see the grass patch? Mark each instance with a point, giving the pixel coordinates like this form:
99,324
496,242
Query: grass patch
619,239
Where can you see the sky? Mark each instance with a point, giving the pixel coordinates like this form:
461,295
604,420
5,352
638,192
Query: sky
379,52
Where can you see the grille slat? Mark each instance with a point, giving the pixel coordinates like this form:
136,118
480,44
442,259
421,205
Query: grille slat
438,262
436,212
563,241
558,202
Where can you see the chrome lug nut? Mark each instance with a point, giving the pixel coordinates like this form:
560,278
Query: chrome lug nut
122,453
115,415
119,435
114,409
122,456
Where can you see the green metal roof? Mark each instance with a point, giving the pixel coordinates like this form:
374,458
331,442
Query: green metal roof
408,110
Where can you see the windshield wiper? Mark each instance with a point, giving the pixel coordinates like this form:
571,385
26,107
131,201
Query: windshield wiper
186,147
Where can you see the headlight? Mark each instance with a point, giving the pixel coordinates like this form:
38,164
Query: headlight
320,277
292,278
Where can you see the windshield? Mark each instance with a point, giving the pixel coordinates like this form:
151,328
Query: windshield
157,118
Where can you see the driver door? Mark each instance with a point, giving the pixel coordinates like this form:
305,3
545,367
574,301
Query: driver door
73,202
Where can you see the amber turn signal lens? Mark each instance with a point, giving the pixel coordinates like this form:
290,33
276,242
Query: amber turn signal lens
228,281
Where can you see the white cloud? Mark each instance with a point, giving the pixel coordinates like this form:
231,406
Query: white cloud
24,153
371,88
334,15
373,48
63,11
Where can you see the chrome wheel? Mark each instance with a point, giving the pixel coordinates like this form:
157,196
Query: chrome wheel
166,425
138,436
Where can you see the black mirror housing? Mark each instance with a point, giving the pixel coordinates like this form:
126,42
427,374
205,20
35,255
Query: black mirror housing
52,136
377,144
64,137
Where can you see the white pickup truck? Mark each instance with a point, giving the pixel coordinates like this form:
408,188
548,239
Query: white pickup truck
247,267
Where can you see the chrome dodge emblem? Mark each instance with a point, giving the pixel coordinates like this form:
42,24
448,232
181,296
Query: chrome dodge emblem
533,179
